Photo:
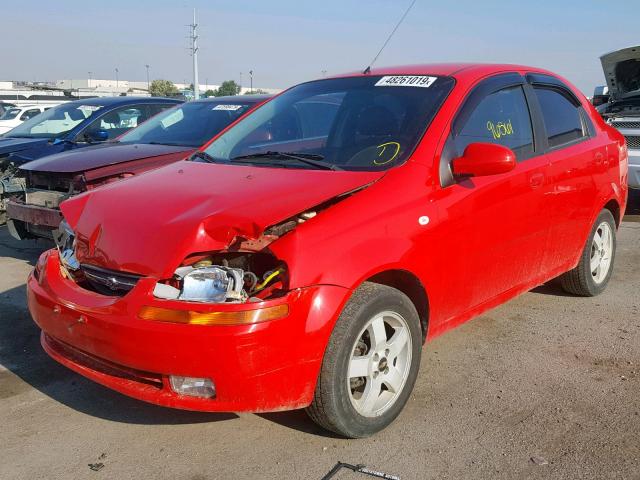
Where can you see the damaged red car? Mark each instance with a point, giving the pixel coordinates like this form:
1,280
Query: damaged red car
302,258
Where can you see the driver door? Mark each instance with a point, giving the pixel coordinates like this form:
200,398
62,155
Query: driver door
496,224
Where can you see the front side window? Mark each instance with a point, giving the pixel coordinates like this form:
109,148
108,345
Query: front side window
55,122
118,121
562,118
356,123
189,124
501,117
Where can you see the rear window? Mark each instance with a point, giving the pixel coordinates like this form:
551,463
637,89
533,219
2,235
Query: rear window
561,117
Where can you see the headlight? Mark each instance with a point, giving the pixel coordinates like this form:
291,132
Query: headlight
211,284
65,241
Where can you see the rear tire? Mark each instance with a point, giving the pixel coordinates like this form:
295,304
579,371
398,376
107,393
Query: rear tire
594,270
370,364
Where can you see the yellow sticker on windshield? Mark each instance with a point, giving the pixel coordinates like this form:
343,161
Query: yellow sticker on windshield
391,148
500,129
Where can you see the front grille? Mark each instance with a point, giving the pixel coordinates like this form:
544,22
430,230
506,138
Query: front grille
108,282
633,142
625,124
103,366
56,183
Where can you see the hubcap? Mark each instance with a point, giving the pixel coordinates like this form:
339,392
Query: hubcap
379,364
601,252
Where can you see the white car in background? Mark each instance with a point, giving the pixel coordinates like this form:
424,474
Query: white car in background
14,116
622,110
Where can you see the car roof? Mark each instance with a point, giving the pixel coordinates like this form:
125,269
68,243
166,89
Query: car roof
109,101
244,99
456,70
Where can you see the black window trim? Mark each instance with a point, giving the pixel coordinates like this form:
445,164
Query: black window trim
486,87
542,81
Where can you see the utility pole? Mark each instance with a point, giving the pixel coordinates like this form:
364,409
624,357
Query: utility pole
148,84
194,54
251,80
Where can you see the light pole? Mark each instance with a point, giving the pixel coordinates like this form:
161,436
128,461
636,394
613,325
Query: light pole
251,80
117,84
148,86
89,82
324,73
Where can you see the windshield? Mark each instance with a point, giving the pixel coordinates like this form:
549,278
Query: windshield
55,121
190,124
356,123
10,114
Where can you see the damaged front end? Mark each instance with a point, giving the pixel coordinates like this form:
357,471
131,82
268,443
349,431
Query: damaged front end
12,185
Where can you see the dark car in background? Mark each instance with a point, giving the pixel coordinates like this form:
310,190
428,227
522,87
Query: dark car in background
168,137
71,125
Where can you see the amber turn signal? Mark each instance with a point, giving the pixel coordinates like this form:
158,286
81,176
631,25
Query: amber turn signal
240,317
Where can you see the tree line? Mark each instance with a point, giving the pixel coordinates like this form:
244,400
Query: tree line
166,88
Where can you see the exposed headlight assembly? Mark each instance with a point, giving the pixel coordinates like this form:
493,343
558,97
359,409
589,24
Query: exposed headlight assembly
65,241
211,284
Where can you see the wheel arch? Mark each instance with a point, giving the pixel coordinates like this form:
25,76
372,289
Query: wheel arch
409,284
614,207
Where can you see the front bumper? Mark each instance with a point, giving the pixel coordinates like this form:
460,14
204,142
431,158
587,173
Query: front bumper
267,366
26,221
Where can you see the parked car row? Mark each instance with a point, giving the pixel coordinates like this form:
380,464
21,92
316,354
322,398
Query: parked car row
168,137
301,257
33,190
14,116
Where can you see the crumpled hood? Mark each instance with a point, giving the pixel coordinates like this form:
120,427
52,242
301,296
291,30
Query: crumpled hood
11,145
150,223
89,158
622,72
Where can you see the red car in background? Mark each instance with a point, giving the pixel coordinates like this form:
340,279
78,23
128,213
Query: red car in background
165,138
302,258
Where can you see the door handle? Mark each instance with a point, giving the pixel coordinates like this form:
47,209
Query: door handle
536,180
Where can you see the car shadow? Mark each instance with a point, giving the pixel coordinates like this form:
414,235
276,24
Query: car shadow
299,421
27,365
27,250
552,288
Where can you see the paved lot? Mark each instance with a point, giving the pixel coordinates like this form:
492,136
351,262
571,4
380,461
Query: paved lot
546,376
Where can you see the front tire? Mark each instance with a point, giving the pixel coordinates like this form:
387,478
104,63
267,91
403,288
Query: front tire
593,272
370,364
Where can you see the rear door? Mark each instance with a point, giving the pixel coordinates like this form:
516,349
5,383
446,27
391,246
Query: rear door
496,225
575,158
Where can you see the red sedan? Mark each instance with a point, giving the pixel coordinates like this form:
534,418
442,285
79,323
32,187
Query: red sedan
301,259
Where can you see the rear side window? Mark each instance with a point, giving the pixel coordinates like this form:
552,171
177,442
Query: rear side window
29,114
501,117
562,118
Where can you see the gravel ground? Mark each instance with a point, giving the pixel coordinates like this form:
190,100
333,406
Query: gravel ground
545,386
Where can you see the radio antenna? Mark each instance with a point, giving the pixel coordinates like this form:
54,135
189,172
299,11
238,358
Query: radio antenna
368,69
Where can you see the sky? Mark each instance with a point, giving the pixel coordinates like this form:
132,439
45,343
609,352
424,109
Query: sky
285,42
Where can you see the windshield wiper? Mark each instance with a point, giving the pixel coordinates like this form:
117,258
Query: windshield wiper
202,156
307,158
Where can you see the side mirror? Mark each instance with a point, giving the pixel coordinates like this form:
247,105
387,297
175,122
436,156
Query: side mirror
97,135
483,159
